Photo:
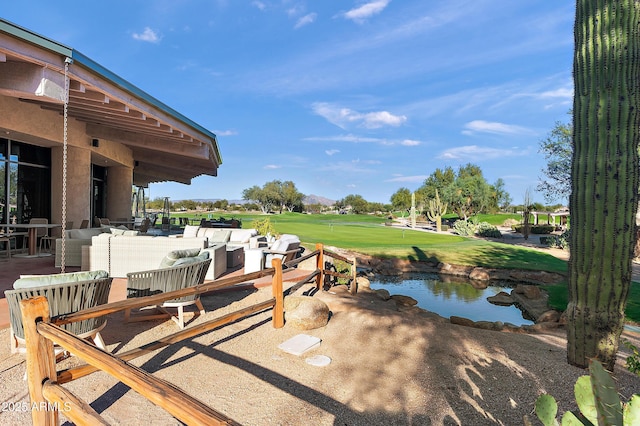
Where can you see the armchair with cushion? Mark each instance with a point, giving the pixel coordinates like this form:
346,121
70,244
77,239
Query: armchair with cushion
285,248
179,269
66,293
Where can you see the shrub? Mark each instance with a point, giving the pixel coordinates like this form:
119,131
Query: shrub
542,229
264,226
556,241
464,228
633,360
485,229
534,229
510,223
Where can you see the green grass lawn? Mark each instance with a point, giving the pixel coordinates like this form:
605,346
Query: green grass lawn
559,297
368,235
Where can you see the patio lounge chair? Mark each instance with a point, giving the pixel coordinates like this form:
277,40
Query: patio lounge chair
167,279
66,293
285,248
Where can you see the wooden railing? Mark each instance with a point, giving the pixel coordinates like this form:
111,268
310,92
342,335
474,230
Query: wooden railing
42,332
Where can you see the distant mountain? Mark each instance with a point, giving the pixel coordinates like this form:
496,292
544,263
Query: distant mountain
308,199
316,199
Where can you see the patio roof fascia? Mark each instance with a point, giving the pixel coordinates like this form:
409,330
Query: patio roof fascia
83,60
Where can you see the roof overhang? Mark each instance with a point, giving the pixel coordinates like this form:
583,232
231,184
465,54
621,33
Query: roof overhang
166,145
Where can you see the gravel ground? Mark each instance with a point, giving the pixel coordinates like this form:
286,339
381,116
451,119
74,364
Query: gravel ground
389,367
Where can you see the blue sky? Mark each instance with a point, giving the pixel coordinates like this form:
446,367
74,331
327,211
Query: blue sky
340,97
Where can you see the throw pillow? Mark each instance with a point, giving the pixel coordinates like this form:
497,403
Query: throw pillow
171,258
203,255
220,236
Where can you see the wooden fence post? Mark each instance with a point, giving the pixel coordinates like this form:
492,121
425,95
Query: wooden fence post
276,286
354,283
320,266
41,359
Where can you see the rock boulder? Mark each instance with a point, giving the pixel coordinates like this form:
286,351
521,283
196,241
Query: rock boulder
305,313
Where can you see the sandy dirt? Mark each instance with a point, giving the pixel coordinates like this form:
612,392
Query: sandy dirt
389,366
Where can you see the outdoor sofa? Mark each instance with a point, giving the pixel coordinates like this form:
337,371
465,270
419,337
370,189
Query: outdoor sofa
123,254
246,238
74,240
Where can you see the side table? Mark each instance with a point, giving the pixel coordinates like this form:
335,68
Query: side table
235,256
253,260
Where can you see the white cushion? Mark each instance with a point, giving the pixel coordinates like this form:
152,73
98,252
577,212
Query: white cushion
242,235
190,231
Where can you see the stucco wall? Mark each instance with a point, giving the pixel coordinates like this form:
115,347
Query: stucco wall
28,123
119,192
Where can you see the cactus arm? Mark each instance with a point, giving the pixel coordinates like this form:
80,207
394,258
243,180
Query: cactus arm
585,399
547,409
632,412
570,419
606,397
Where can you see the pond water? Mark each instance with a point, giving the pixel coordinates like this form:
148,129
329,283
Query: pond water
451,296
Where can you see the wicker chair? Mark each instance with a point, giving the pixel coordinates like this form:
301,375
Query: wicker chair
63,299
147,283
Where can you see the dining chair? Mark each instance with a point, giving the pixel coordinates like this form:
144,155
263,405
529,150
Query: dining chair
6,238
48,241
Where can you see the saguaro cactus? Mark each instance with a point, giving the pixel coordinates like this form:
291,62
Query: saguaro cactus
413,210
604,175
437,209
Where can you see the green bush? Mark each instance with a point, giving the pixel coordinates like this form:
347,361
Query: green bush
485,229
264,226
542,229
556,241
464,228
534,229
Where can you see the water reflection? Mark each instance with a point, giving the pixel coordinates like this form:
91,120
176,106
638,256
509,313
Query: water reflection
448,297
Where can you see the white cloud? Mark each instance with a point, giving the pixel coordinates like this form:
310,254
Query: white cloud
565,93
260,5
367,10
272,167
332,151
147,35
225,132
305,20
417,178
481,126
361,139
344,117
479,153
357,160
345,138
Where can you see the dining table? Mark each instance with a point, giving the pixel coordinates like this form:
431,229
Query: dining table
32,234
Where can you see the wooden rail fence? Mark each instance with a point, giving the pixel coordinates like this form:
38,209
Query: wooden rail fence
42,332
